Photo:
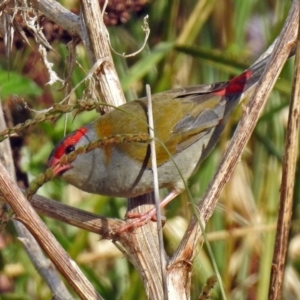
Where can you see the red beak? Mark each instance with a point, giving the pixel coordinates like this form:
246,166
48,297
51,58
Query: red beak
58,168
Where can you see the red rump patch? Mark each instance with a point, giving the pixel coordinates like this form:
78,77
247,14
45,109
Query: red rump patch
236,85
72,139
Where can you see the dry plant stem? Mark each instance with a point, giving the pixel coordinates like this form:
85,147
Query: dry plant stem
98,48
90,27
156,194
287,185
108,226
45,268
95,37
286,40
96,40
138,246
59,15
142,249
76,217
27,215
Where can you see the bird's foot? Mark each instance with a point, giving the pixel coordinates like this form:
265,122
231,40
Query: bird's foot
139,219
143,218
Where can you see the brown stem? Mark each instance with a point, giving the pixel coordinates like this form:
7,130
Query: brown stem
106,227
146,259
27,215
95,36
284,44
59,15
287,184
45,268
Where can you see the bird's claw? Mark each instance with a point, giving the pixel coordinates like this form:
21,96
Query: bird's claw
140,220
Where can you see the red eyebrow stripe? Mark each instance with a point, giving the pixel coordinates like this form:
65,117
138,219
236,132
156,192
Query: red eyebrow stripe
73,138
236,85
79,133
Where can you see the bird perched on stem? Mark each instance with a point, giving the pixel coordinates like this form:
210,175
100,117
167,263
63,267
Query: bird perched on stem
187,125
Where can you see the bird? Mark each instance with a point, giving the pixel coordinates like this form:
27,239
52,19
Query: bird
188,123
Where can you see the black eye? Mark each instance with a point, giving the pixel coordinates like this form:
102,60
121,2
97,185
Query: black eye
69,149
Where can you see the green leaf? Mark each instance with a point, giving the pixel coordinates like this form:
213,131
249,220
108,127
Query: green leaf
214,57
12,83
145,64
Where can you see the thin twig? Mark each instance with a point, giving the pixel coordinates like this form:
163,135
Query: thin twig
287,185
156,194
55,12
76,217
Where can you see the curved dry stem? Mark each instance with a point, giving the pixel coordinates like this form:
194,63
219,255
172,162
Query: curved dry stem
287,185
27,215
45,268
284,44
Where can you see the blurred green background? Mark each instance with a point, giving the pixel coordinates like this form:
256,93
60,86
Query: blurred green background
191,42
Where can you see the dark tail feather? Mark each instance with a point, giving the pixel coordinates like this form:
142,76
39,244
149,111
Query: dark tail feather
258,68
233,92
